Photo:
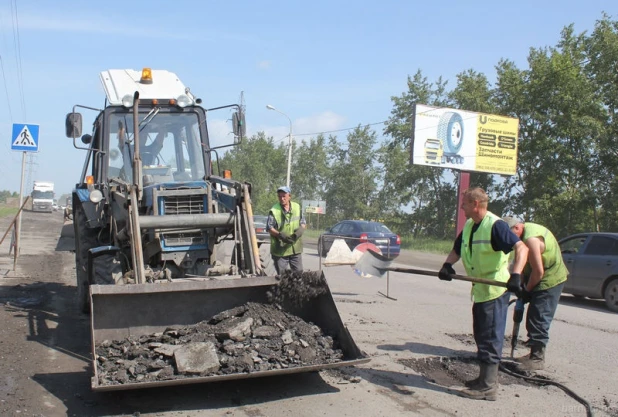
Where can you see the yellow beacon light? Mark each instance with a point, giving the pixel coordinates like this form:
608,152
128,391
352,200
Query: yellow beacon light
146,76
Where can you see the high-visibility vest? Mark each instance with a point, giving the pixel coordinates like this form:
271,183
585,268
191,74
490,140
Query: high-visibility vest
286,223
482,261
555,270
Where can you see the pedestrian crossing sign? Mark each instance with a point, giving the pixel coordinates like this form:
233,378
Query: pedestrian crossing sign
25,137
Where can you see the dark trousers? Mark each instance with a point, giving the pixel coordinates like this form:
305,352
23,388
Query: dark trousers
541,310
293,262
489,324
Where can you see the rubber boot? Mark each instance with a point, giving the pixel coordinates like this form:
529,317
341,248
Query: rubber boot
472,383
487,387
536,360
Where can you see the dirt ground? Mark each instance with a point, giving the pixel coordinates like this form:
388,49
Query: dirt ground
416,330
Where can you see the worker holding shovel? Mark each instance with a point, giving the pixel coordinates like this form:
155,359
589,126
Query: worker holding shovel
483,247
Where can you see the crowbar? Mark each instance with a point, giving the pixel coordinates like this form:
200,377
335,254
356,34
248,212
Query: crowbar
373,263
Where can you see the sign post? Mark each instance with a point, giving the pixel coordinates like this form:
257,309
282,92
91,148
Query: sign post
25,138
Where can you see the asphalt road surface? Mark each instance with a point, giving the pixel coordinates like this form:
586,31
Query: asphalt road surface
419,340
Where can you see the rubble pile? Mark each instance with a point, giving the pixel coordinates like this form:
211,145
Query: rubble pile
299,287
248,338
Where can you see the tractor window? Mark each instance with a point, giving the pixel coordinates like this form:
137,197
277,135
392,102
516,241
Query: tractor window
170,147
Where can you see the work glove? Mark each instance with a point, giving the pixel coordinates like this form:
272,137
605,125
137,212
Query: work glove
514,284
446,272
526,296
284,237
298,233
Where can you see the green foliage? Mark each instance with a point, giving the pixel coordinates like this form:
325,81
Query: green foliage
351,183
4,194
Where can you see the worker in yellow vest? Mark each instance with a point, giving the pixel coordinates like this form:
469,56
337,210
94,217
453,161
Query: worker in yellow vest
543,279
483,247
286,225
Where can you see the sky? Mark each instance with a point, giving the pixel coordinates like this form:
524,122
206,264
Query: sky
327,65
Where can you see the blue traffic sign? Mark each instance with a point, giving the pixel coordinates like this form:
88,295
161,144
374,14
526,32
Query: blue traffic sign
25,137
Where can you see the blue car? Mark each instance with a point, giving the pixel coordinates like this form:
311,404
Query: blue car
356,232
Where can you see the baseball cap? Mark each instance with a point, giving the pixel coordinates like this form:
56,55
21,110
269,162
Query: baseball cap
511,221
285,189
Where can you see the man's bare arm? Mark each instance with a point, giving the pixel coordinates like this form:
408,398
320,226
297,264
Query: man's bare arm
535,250
521,256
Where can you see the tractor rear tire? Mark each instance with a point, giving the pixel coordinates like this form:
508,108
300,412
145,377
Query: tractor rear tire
266,260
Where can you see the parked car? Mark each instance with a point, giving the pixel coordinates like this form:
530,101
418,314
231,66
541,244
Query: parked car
355,232
592,261
259,222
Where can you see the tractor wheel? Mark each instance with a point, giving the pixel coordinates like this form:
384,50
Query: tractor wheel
266,260
85,239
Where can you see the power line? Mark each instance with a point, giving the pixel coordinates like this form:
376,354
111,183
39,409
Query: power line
17,44
339,130
6,89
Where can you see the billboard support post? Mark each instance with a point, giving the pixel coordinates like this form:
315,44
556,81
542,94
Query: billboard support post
464,184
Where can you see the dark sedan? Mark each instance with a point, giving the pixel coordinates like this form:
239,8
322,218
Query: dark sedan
592,261
259,222
356,232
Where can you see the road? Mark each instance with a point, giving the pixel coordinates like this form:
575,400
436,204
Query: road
45,352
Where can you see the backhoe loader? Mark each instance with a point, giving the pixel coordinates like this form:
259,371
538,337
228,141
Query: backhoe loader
160,240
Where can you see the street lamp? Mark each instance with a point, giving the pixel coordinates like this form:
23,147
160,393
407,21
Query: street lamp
269,107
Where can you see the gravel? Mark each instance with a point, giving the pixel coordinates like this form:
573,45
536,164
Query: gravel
248,338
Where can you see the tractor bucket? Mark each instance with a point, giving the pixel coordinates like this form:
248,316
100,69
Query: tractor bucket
120,311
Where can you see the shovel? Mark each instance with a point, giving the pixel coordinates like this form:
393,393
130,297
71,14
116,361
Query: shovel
372,263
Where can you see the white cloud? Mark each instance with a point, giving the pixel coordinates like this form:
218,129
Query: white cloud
322,122
264,65
83,24
220,132
114,25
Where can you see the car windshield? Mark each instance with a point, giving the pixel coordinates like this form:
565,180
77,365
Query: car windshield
373,227
43,194
170,146
259,220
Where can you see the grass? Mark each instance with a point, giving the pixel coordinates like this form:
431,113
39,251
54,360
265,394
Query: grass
8,211
426,244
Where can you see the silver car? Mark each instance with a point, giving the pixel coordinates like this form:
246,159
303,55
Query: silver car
592,261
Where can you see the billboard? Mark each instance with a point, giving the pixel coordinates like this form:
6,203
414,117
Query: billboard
464,140
314,206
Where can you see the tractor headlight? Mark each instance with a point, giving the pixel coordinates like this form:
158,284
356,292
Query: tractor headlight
96,196
127,100
183,100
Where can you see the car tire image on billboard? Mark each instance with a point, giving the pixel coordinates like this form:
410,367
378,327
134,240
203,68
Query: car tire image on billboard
464,140
450,132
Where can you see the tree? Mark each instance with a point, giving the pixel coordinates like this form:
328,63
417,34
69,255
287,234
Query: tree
309,169
352,177
424,190
257,161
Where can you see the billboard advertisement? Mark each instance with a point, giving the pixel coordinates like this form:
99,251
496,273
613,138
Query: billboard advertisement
464,140
314,206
